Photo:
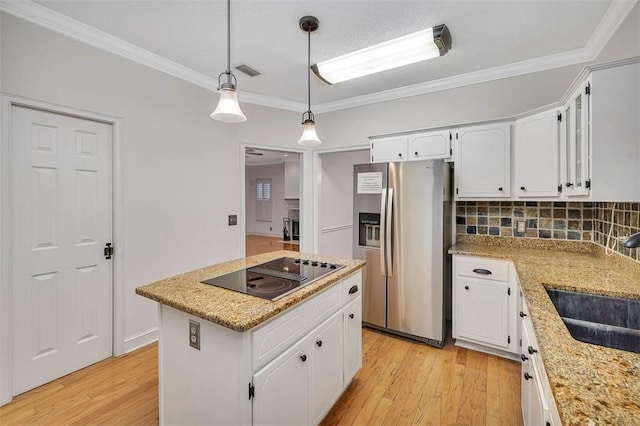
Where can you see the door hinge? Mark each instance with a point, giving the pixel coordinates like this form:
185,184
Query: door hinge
508,291
587,90
520,342
560,116
560,189
456,190
450,151
108,251
587,184
509,340
450,136
457,136
372,158
252,391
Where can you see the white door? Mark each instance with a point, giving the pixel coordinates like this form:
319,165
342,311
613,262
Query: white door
61,221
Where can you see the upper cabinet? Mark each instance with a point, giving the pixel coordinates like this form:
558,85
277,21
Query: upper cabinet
418,146
483,163
537,162
291,179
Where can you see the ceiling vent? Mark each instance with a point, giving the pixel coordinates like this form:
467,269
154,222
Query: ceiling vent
247,70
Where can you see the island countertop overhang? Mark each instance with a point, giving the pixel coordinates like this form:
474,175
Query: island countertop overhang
237,311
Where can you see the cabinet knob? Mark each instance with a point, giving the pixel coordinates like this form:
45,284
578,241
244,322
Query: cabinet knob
415,153
400,154
568,184
303,357
522,314
527,376
531,350
522,188
352,316
319,343
500,189
466,287
523,357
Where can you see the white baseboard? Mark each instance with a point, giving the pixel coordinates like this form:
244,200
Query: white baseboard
487,350
261,234
143,339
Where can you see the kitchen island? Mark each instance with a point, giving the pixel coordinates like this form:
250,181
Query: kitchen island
590,384
257,361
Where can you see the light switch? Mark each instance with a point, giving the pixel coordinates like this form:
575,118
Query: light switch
233,219
521,226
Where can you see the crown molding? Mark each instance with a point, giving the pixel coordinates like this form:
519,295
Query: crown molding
52,20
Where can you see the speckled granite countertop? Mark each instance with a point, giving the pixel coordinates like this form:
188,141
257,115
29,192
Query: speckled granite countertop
229,308
591,384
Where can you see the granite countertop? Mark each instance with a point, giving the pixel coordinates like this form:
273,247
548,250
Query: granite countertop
591,384
232,309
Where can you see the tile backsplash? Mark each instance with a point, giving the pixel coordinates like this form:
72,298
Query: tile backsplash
557,220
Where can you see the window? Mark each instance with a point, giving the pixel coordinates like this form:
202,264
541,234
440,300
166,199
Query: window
263,200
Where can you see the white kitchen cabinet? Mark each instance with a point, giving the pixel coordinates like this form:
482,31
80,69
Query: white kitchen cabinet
483,163
387,149
484,305
282,388
537,152
352,314
574,135
326,367
292,180
430,145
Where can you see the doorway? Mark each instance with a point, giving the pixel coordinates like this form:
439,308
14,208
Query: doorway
61,281
272,200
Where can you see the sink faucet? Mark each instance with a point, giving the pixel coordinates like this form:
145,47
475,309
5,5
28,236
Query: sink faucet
633,241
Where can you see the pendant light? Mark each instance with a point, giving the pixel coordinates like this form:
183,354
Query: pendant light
309,136
228,109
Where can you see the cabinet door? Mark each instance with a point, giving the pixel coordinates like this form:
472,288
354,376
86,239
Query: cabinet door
389,149
352,339
482,311
282,388
430,146
537,163
326,366
574,133
483,167
533,400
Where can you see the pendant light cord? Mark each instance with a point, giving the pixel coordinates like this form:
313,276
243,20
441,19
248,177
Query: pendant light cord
229,37
308,71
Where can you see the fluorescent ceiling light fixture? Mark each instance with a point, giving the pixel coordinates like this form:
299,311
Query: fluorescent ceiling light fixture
409,49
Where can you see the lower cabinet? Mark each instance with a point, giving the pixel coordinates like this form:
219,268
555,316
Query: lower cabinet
300,386
484,305
352,314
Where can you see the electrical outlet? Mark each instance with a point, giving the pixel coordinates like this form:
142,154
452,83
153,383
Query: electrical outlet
233,219
520,226
194,334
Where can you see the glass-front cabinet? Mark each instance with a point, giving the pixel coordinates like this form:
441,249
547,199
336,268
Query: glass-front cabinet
575,142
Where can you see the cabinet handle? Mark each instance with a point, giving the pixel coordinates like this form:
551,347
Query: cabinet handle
352,316
353,289
522,188
500,189
466,287
568,184
303,357
531,350
482,271
527,376
319,343
523,357
522,314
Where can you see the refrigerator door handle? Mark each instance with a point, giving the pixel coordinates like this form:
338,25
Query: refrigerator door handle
383,211
387,226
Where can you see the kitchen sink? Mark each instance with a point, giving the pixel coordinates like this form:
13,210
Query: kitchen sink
601,320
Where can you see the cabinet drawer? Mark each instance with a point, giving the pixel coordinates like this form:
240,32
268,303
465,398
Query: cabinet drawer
351,287
277,335
496,270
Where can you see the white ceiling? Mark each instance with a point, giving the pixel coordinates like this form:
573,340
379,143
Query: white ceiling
491,39
267,157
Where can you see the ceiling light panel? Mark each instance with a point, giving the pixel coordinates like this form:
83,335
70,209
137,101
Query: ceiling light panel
409,49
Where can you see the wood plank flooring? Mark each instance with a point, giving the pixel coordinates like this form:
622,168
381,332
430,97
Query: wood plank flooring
258,244
401,383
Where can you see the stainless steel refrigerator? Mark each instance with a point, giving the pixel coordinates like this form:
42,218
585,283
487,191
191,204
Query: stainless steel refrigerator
402,228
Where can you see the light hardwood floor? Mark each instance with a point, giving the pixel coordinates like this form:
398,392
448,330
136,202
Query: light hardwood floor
401,383
258,244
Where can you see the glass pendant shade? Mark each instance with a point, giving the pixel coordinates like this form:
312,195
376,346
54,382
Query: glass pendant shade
309,136
228,109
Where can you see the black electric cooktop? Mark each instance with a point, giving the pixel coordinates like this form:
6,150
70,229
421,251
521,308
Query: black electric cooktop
275,279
